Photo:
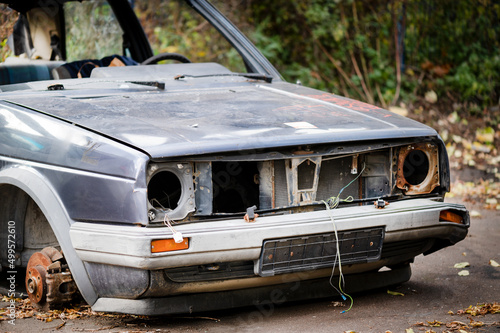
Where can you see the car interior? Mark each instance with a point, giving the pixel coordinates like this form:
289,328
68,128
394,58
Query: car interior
67,39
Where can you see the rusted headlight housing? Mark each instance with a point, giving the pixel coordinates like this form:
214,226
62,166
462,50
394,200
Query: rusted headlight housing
418,168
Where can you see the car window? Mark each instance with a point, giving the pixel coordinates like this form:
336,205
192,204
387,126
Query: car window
92,30
174,27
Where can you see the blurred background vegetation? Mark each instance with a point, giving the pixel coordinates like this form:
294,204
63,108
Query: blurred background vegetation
384,52
402,53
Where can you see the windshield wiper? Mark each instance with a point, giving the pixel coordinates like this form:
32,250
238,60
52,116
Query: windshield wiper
157,84
253,76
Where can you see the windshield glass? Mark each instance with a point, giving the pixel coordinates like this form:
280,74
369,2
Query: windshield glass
174,27
92,30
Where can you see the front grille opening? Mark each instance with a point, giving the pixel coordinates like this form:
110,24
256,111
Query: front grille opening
416,167
211,272
235,186
306,171
164,190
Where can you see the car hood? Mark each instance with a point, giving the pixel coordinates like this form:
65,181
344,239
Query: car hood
209,115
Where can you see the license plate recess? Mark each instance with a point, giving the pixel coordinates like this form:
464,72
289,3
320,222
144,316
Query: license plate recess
287,255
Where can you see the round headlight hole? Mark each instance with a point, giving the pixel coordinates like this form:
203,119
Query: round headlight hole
164,190
416,167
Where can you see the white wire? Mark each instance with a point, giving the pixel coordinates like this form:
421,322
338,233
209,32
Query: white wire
331,204
177,235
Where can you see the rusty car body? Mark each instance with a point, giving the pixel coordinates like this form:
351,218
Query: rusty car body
170,188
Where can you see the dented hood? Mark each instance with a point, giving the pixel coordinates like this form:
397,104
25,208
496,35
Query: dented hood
210,115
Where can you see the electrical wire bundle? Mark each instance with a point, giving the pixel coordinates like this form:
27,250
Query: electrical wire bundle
332,203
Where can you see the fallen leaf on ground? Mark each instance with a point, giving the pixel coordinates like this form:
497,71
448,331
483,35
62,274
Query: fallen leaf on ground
491,201
485,135
409,330
337,304
456,325
435,323
475,213
481,309
394,293
462,264
494,263
463,273
431,96
474,323
25,310
420,323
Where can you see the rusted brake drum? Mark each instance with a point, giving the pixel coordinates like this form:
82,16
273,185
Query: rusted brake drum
48,280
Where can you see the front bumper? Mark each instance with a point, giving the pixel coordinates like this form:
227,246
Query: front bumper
120,263
264,298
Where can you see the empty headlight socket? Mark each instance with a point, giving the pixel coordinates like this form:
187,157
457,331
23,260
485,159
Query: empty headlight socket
418,168
170,190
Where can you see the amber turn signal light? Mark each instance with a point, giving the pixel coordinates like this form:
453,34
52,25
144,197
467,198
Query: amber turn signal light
448,216
166,245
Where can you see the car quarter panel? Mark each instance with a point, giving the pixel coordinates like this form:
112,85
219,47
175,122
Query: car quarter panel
95,178
71,174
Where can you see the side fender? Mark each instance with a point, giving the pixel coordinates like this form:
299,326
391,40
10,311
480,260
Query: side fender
39,189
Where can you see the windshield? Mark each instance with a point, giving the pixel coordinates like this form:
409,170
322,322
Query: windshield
92,30
174,27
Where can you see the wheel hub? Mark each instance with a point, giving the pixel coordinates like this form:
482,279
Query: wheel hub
48,280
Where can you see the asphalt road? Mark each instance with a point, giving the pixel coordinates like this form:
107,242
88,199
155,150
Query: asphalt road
434,289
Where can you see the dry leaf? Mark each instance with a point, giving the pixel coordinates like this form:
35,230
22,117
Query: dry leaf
337,304
474,323
475,213
431,96
463,273
494,263
420,323
461,265
485,135
394,293
481,309
435,323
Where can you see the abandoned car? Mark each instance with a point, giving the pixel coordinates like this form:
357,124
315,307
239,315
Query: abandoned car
203,183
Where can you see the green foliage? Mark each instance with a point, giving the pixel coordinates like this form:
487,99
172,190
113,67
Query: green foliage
174,27
386,52
7,21
94,29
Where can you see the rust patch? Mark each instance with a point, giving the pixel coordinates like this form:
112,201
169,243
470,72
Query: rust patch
350,104
48,280
410,164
